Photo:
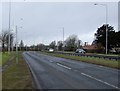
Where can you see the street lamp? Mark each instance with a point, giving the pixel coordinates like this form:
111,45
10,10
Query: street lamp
16,45
16,29
105,5
63,38
9,25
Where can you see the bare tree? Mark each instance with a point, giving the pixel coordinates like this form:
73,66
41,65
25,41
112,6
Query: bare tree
41,47
21,45
4,37
79,44
60,45
11,39
71,42
52,45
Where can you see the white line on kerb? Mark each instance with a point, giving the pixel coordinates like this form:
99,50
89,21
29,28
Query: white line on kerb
63,66
100,81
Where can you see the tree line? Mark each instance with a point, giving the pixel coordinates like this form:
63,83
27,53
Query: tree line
71,43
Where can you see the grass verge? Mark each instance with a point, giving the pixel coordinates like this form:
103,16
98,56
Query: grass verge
17,76
103,62
93,53
5,56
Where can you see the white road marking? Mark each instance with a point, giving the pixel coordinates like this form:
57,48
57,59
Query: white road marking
75,70
63,66
100,81
100,66
50,61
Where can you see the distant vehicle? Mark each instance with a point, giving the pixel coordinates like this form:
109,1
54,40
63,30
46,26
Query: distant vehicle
51,50
80,51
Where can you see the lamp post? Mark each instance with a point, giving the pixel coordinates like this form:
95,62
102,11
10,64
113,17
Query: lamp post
105,5
16,30
16,45
63,38
9,26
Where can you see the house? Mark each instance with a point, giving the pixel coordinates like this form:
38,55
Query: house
93,48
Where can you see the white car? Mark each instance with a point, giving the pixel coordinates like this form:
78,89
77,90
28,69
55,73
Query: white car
51,50
80,51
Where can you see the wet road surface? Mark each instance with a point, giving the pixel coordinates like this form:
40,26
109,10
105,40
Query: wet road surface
59,73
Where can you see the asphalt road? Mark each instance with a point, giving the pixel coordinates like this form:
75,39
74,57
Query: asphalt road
59,73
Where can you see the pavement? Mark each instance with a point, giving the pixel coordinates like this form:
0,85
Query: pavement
58,73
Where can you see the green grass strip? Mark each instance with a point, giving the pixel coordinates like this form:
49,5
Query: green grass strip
5,56
103,62
17,76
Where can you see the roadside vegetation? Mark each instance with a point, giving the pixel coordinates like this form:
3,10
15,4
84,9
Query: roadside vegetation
104,54
5,56
92,53
103,62
17,76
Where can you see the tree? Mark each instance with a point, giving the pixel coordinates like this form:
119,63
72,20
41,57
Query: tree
21,45
4,39
60,45
79,44
113,37
41,47
71,43
11,39
117,37
52,45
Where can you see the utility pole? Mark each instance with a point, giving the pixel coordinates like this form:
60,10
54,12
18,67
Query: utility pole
9,26
63,38
106,29
16,45
106,46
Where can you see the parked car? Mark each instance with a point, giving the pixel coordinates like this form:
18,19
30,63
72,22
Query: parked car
51,50
80,51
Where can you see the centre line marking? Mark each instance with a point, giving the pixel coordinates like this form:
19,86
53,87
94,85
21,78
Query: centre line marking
63,66
100,81
50,61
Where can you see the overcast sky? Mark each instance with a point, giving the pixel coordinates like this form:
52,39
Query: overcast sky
43,22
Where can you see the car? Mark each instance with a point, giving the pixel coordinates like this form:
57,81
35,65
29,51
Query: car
51,50
80,51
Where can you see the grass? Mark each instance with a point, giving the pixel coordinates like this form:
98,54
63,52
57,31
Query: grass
67,51
5,56
17,76
104,54
92,53
103,62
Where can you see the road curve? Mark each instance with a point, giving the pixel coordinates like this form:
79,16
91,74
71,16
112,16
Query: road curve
59,73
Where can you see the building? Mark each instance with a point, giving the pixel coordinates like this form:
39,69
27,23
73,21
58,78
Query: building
93,48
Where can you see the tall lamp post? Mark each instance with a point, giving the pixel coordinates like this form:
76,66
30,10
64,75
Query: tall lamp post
16,45
105,5
16,29
9,26
63,38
